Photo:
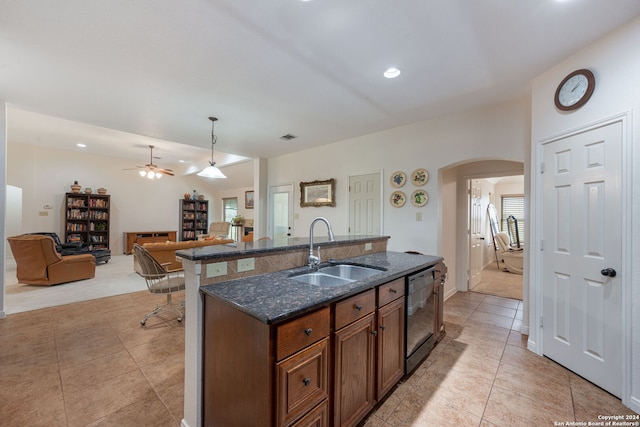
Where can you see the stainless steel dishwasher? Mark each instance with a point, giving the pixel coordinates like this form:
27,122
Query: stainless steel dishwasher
420,317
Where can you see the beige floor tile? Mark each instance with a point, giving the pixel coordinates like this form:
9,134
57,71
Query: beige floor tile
97,370
160,349
99,400
490,319
83,348
165,373
591,401
517,339
503,302
510,408
149,411
487,307
35,411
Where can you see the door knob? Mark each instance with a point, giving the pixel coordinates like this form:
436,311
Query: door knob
610,272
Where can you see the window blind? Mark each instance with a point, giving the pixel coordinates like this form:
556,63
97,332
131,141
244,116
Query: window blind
513,205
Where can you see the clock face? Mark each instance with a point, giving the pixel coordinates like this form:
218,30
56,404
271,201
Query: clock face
575,90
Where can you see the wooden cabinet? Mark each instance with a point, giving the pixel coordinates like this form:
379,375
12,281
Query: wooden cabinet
390,346
194,218
369,350
325,368
258,374
87,219
354,358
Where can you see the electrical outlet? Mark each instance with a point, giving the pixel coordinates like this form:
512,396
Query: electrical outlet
217,269
368,246
246,264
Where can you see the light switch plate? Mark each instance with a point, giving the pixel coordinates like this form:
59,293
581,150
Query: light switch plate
217,269
418,216
368,246
246,264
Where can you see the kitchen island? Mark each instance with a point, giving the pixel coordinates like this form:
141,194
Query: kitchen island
269,296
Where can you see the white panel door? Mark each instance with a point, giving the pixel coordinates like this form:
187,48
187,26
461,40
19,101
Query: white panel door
582,230
476,238
364,204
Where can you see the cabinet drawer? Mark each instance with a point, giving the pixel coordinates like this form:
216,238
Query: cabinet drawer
354,308
302,382
318,417
390,291
299,333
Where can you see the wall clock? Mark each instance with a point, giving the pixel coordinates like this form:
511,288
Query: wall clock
575,90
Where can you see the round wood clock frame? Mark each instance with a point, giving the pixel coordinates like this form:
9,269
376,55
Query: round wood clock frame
575,90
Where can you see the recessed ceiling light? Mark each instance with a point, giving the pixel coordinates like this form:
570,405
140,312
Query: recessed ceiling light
392,73
81,145
180,161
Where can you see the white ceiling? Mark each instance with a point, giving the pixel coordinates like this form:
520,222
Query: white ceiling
120,74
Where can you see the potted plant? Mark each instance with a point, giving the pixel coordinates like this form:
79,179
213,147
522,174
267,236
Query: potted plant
237,220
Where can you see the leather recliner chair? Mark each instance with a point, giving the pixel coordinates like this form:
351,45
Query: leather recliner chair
38,263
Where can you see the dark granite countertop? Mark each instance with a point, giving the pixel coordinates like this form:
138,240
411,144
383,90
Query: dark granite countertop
267,246
274,297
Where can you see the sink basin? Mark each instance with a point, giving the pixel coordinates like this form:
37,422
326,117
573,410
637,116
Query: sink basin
336,275
346,271
321,279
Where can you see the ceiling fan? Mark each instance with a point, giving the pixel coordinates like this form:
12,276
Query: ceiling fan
151,170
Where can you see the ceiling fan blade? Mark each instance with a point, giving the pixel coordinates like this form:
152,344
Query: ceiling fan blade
132,169
166,172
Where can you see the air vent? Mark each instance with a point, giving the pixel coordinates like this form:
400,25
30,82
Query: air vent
288,137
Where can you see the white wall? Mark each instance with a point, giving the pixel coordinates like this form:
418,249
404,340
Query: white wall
137,204
497,132
3,198
616,65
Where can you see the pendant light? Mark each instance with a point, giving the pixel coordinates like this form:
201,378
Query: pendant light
212,171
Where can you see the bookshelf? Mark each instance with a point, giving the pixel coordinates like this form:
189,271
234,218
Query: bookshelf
194,218
87,219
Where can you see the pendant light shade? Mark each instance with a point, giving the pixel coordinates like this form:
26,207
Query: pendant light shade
212,171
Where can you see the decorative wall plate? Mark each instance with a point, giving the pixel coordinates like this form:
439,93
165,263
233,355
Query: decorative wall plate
398,179
419,198
397,199
419,177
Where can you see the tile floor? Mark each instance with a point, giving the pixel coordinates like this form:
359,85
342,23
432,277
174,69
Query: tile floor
91,364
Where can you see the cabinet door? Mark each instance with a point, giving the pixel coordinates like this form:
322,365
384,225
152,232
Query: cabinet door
390,346
354,371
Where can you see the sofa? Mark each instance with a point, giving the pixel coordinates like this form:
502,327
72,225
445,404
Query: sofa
165,253
38,262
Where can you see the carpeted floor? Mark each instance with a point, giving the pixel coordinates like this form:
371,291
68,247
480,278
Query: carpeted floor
113,278
500,283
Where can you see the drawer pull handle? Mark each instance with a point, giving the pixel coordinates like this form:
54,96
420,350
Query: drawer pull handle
308,331
358,307
393,291
374,333
306,381
382,327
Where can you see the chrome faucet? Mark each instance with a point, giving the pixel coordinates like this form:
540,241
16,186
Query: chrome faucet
313,259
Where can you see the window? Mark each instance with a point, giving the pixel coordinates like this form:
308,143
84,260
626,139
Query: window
229,208
513,205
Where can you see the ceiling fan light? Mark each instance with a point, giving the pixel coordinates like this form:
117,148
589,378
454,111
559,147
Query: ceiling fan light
151,175
211,171
158,175
142,173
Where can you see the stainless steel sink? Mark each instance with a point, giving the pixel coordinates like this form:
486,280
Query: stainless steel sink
346,271
321,279
336,275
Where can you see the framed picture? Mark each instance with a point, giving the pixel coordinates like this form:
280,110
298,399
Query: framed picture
248,199
318,193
